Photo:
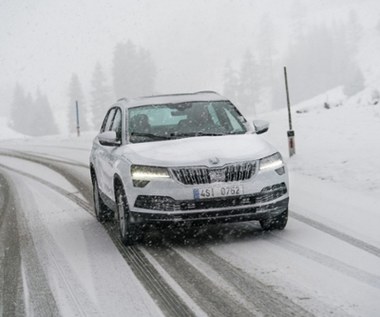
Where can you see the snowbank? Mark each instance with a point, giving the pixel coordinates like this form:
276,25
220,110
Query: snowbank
337,140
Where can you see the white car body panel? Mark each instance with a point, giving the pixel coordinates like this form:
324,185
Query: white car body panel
196,151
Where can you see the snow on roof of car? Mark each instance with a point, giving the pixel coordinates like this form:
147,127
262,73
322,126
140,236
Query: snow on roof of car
172,98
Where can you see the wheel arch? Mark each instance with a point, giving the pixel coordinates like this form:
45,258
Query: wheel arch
117,182
92,172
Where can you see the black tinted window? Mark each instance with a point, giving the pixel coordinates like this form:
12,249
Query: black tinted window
187,119
116,124
108,120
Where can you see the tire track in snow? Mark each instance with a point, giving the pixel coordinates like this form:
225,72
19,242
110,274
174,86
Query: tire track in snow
265,298
337,234
335,264
38,157
82,149
59,264
42,302
88,195
211,299
54,262
11,294
157,287
166,298
72,196
325,260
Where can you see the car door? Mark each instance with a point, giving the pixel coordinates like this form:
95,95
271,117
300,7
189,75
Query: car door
112,154
100,156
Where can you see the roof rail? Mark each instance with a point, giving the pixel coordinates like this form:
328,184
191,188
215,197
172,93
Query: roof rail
171,95
205,91
166,95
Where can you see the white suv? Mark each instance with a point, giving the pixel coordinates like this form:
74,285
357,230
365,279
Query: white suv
185,158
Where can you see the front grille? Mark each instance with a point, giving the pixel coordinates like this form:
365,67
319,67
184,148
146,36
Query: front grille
165,203
206,175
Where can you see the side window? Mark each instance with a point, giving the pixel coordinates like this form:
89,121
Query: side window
116,125
108,121
104,122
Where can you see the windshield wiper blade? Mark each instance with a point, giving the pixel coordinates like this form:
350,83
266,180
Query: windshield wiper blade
194,134
150,135
208,134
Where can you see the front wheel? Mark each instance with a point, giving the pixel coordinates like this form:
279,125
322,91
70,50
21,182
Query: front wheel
101,210
275,223
129,233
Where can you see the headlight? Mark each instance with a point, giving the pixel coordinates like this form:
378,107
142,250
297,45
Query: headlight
271,162
141,175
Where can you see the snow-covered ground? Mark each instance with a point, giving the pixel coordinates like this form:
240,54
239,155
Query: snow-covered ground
334,175
7,133
327,260
85,273
339,145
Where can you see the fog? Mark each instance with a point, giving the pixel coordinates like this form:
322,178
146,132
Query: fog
193,45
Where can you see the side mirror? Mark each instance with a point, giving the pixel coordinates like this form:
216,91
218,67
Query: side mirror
108,138
261,126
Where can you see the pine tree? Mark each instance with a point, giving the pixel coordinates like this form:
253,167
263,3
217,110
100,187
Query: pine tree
354,31
324,63
231,83
124,70
248,93
266,66
133,71
100,95
146,73
354,81
42,120
76,94
299,15
18,108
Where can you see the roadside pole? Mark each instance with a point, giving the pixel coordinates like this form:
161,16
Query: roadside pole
291,134
77,112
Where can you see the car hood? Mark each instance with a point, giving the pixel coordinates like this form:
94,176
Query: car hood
199,151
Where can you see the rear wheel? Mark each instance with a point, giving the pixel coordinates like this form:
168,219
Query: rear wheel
129,232
101,210
275,223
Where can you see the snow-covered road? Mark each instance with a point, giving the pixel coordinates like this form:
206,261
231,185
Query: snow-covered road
69,264
64,262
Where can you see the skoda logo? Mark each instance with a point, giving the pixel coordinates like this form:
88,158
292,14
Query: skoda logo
214,160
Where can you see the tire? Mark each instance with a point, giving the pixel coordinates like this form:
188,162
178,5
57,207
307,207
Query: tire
101,210
129,233
275,223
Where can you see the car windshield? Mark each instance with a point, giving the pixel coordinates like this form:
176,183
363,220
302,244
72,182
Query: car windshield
180,120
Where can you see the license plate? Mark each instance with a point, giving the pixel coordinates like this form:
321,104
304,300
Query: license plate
217,191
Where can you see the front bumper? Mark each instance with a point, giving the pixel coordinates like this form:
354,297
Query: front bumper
264,195
169,204
237,214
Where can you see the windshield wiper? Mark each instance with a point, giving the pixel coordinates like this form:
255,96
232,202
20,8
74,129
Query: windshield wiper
197,134
151,136
209,134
